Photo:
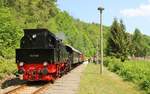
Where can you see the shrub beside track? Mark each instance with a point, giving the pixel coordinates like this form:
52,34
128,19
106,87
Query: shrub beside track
7,67
137,72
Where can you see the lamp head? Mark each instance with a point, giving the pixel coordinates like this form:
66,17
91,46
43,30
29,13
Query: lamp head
101,8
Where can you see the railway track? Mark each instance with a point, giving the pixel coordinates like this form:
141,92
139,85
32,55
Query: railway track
13,91
29,88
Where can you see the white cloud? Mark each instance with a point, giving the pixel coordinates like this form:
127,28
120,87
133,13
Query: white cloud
142,10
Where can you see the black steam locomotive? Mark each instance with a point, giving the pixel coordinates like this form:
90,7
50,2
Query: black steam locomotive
42,56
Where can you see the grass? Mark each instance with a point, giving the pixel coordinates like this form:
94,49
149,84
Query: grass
7,67
136,71
108,83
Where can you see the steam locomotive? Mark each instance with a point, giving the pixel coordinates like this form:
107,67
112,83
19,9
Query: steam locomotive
42,56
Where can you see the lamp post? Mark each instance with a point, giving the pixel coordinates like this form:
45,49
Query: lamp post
97,53
101,38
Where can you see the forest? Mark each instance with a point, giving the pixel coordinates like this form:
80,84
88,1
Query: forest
16,15
19,14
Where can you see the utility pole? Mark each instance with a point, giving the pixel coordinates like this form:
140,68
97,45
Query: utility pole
97,53
101,38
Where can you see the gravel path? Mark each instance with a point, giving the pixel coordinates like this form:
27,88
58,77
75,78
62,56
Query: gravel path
68,84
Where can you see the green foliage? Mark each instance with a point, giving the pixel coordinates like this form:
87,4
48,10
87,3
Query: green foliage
113,64
141,45
118,42
122,45
108,83
135,71
8,32
19,14
7,67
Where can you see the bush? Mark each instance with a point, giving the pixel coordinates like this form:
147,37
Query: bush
145,84
7,67
107,60
113,64
137,72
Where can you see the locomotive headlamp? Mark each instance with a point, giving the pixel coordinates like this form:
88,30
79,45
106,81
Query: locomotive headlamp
21,64
34,36
45,64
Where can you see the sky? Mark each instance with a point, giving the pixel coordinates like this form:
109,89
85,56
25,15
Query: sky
134,13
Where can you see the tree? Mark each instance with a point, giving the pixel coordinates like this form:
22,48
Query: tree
45,14
140,45
118,42
9,35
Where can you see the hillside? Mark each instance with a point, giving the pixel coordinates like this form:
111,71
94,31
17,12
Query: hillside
19,14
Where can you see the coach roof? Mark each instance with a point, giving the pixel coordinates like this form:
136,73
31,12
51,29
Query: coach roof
73,49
